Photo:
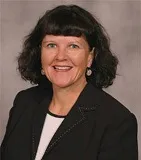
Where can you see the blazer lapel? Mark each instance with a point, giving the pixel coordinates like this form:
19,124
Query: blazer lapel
38,122
74,118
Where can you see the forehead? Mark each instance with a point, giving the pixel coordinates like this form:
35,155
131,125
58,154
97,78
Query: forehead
61,38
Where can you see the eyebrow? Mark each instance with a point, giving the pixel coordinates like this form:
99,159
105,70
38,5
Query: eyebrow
46,41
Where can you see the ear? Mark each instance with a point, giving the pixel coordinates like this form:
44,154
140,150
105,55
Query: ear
90,58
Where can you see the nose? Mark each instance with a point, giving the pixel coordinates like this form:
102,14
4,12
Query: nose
61,54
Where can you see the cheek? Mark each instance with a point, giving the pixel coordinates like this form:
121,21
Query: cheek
46,59
80,60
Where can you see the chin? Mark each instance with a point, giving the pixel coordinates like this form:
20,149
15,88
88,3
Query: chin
62,85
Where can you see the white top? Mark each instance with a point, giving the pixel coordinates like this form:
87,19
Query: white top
51,124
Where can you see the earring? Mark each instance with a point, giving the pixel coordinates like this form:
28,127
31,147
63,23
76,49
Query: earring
88,72
42,72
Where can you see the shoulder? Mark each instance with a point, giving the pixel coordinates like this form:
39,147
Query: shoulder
26,94
114,112
113,105
21,101
108,108
27,99
35,93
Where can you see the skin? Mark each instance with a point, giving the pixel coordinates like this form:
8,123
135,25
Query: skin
64,60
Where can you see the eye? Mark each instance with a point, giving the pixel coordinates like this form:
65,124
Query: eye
51,45
74,46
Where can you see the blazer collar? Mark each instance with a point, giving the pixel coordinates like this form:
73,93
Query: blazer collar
87,101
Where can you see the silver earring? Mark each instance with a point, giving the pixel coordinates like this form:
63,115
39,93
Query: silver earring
42,72
89,72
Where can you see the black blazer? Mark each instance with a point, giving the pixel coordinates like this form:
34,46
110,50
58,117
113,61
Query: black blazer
98,127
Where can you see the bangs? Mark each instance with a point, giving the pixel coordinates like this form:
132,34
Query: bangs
66,23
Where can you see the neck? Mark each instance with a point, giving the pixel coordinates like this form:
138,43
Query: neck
64,98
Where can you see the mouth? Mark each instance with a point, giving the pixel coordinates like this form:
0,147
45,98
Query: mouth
62,68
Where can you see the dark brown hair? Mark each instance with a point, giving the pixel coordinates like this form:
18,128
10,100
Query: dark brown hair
69,20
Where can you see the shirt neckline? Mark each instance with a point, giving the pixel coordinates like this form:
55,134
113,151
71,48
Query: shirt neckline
55,115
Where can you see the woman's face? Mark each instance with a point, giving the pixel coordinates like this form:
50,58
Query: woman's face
65,59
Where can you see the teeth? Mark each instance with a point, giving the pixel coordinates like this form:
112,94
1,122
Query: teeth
62,67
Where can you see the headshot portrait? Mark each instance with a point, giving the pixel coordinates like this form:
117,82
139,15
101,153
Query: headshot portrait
71,80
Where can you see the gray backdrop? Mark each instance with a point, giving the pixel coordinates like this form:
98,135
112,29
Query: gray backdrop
122,19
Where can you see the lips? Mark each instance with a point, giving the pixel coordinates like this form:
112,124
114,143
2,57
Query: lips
62,68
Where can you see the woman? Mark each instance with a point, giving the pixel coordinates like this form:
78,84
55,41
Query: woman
68,115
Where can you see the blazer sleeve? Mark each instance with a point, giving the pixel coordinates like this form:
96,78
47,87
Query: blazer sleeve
120,141
10,123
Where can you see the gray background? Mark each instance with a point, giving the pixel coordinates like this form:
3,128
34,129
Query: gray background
122,19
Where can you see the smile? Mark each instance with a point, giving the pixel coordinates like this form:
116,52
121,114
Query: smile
62,68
